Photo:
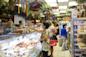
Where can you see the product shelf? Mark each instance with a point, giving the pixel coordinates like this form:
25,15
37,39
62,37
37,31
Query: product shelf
77,24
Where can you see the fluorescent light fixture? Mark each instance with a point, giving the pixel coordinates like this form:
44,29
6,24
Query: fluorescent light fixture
73,3
48,1
51,3
56,13
62,7
63,0
63,11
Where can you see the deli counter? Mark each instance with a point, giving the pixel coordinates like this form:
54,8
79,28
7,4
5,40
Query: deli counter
25,45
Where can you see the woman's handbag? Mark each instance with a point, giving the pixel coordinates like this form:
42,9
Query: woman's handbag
53,42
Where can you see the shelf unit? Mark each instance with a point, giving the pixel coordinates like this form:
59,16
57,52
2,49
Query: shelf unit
77,23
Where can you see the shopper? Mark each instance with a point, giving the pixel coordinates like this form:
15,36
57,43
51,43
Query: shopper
64,37
52,35
57,28
45,40
60,40
68,36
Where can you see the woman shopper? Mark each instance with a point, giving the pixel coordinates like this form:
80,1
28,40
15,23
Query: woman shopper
45,40
52,36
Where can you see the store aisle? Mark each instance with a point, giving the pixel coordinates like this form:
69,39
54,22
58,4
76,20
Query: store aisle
59,53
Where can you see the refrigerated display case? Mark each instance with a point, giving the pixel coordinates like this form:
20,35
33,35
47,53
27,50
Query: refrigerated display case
26,45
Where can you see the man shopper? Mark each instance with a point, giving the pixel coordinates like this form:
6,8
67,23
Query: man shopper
64,37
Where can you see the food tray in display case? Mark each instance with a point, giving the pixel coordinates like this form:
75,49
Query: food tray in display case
27,45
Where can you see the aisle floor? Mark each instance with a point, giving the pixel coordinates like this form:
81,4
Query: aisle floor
59,53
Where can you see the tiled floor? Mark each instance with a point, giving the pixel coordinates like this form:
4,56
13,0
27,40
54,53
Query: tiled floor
59,53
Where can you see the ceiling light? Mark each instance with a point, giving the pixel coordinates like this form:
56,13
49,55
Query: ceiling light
63,11
63,0
51,3
62,7
73,3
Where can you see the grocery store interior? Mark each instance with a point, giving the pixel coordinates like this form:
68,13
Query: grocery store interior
42,28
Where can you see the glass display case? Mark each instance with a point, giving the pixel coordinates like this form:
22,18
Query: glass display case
26,45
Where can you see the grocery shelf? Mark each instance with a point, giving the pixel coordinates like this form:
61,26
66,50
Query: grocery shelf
77,50
82,18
